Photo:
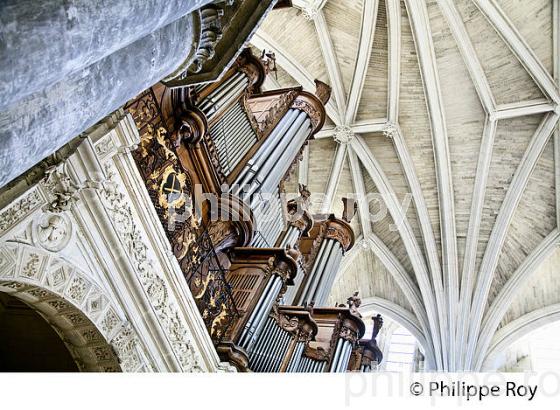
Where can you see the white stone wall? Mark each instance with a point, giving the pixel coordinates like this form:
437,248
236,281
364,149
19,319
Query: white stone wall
86,235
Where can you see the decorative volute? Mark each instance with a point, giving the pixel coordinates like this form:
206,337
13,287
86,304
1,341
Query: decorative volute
253,68
230,224
335,323
340,231
314,105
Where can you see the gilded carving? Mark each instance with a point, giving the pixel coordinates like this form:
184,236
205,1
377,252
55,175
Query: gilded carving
167,183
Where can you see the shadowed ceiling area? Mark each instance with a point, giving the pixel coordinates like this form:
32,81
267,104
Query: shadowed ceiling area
444,115
28,343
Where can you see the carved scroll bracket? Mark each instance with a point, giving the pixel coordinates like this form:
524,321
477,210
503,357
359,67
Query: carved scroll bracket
340,231
231,224
253,68
314,105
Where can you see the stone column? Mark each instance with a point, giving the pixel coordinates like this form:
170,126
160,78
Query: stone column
42,43
41,123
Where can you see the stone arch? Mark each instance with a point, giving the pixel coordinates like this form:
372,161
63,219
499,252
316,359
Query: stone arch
82,314
401,316
517,329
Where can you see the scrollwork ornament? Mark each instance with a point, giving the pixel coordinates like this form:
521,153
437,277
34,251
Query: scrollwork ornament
154,285
348,334
19,210
313,113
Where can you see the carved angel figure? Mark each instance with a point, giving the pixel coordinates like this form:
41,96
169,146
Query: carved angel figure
354,303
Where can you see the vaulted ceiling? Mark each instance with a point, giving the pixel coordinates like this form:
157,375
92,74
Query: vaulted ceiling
444,113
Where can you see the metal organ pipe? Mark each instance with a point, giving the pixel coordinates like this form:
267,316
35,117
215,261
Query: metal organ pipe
321,260
270,169
264,341
323,273
318,258
267,305
304,362
250,325
280,167
260,156
319,275
281,352
257,319
269,155
224,94
344,362
261,342
208,104
233,136
296,358
269,218
329,275
291,237
274,138
268,347
218,134
337,353
342,355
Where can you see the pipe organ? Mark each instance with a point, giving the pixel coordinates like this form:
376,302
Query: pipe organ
367,356
330,239
214,158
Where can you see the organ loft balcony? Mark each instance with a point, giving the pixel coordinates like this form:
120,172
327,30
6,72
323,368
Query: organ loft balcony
215,158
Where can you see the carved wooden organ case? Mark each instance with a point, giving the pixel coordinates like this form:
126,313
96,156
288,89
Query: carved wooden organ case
214,157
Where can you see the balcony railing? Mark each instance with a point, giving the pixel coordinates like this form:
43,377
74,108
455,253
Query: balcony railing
211,291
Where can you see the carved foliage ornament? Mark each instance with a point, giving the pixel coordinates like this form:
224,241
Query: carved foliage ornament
343,134
314,114
287,323
63,191
23,207
348,334
157,161
340,232
155,286
266,121
318,354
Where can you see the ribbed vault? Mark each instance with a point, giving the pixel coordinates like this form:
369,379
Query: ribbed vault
445,114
